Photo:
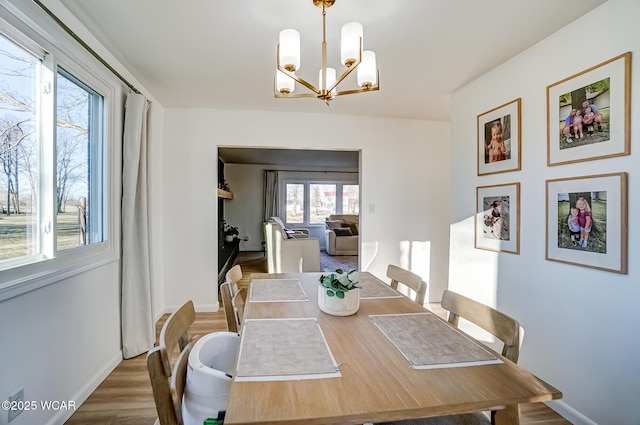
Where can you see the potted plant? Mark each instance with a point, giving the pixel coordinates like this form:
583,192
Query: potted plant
230,232
339,292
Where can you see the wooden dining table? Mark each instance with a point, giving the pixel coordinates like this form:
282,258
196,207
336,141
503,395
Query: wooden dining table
374,381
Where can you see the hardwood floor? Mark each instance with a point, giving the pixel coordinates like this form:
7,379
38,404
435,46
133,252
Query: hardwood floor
125,397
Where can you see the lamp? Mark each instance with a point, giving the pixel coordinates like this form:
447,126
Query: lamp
351,55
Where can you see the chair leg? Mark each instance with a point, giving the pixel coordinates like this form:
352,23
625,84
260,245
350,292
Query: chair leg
510,415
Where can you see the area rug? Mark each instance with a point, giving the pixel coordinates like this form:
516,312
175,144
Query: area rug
256,262
334,262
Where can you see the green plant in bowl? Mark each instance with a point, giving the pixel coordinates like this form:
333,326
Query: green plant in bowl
339,282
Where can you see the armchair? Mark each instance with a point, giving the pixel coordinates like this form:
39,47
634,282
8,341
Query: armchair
296,233
286,253
341,235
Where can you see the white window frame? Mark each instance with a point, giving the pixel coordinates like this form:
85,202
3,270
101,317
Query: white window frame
28,26
307,179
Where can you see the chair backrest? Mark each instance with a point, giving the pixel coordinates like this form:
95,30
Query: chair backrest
175,331
179,378
239,300
408,279
168,383
503,327
347,218
232,277
227,304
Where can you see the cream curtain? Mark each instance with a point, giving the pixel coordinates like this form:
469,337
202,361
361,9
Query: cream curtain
138,333
270,194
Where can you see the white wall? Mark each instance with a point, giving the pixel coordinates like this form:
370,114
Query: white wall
60,342
581,324
403,164
246,208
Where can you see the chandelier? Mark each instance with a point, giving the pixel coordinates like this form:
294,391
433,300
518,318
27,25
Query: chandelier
351,55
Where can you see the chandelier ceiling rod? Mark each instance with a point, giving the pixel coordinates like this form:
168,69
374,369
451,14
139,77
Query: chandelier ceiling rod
288,62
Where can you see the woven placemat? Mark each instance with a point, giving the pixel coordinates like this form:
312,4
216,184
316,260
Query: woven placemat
276,290
284,349
428,342
373,288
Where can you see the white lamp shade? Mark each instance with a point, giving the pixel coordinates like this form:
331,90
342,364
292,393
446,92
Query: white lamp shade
290,49
331,79
367,70
284,83
350,44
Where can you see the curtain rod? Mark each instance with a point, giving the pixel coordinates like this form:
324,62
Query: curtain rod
85,45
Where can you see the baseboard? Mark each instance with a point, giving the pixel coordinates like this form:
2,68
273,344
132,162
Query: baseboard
64,414
569,413
200,308
207,308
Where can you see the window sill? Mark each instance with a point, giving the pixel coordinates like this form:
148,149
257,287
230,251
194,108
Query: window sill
34,276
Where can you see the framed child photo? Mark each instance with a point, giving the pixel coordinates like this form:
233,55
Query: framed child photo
587,221
499,139
588,114
498,218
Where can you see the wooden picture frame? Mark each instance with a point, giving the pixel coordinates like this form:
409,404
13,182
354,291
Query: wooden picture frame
603,91
505,122
497,220
604,196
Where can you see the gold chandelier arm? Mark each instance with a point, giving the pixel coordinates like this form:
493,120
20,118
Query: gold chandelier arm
300,80
362,90
293,95
342,93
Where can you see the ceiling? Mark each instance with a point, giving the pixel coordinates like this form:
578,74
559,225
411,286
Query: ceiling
221,54
298,158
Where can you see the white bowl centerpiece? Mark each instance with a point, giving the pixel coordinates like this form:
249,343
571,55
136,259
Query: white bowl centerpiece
339,292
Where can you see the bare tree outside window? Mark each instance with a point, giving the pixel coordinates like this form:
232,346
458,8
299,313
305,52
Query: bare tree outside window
78,165
295,203
323,202
17,141
351,199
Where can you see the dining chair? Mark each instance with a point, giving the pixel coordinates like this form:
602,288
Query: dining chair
168,383
232,277
501,326
239,301
408,279
227,304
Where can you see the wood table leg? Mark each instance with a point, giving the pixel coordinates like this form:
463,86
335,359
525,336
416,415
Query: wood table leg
510,415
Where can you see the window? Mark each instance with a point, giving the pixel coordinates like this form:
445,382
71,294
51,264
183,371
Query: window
295,203
323,202
351,199
54,210
78,163
18,152
76,171
312,201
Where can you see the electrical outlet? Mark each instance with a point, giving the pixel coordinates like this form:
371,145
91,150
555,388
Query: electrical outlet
16,399
245,238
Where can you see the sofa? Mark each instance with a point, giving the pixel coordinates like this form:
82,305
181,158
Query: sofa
342,234
290,252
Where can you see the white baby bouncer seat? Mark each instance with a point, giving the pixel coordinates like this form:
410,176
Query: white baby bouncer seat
212,363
